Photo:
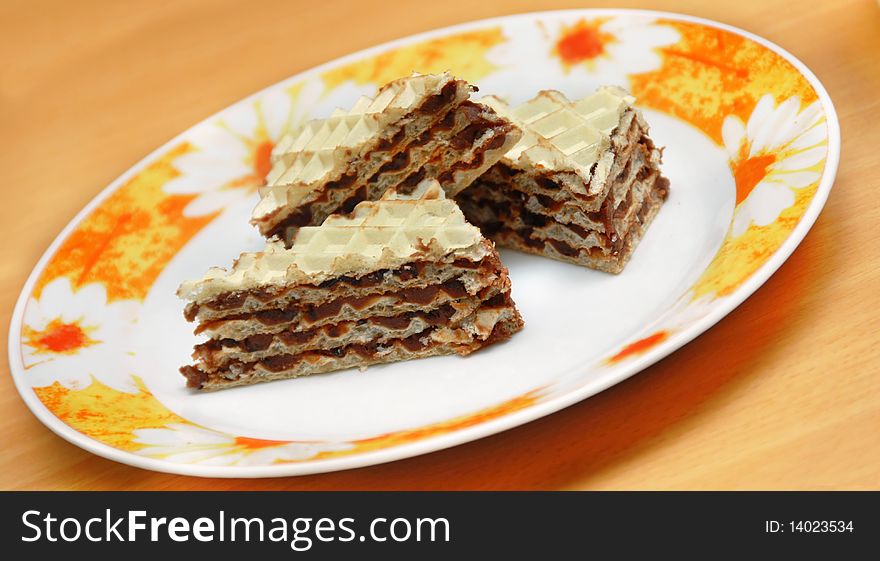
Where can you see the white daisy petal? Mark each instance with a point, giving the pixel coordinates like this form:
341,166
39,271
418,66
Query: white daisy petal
197,456
54,296
188,185
223,160
156,437
218,148
159,451
88,306
175,434
223,459
797,179
242,119
212,202
191,433
809,138
768,201
810,116
732,133
773,124
212,142
185,443
779,129
206,172
802,160
762,113
33,317
45,371
297,451
310,93
741,221
647,37
215,171
276,110
262,456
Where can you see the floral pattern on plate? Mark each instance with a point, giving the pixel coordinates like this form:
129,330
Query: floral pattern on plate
750,99
71,337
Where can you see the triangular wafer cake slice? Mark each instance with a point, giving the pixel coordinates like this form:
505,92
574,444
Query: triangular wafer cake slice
419,127
400,278
582,185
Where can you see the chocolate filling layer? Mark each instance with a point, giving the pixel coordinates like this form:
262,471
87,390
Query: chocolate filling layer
435,102
210,353
197,378
277,363
613,245
235,300
510,217
499,137
316,313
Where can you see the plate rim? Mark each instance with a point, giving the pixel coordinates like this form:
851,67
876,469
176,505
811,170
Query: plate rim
483,429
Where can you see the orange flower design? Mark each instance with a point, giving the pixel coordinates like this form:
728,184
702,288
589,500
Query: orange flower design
402,437
640,346
582,42
711,73
59,337
192,444
463,53
687,311
73,336
231,158
776,151
258,153
126,241
257,443
748,171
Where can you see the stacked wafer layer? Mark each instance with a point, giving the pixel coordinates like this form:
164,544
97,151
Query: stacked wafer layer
400,278
582,184
418,127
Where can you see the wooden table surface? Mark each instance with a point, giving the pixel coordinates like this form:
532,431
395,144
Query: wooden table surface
783,393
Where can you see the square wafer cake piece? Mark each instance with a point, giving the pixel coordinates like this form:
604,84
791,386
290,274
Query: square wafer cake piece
582,184
419,127
400,278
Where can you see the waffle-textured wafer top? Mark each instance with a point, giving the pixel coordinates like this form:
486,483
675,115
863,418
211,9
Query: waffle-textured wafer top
383,234
318,150
561,135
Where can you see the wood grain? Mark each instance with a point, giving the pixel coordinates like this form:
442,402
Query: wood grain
784,393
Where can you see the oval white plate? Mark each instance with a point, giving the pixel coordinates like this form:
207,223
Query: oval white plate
752,146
